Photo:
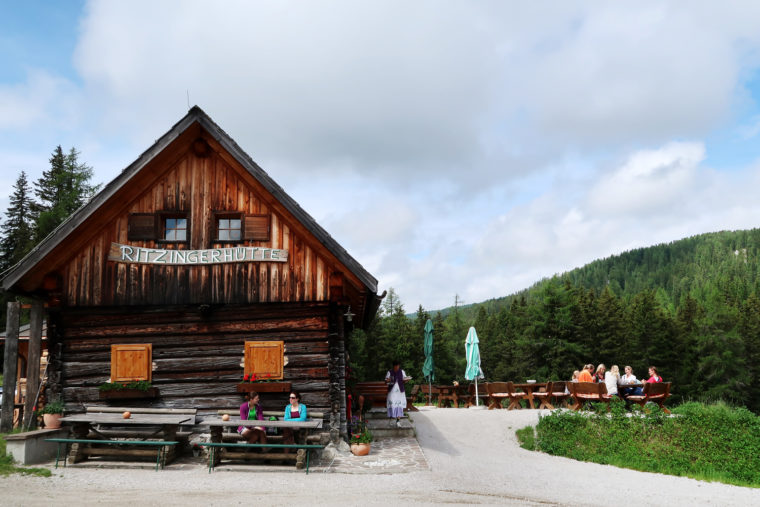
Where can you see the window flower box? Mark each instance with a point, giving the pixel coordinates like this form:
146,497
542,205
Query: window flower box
128,394
264,387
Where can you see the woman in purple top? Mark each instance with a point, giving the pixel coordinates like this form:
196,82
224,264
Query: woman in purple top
252,410
295,411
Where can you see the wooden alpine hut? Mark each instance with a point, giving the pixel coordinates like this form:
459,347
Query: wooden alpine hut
191,270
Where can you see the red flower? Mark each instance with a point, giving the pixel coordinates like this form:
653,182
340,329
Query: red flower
253,377
246,377
268,375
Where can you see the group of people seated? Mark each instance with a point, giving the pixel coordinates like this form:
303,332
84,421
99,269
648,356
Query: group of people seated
251,409
617,385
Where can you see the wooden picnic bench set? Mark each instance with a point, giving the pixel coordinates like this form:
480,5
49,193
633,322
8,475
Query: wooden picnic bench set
103,431
541,395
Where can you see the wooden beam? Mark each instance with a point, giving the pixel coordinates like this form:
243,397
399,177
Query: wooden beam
33,362
10,366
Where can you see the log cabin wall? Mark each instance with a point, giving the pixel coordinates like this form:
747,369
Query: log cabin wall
197,355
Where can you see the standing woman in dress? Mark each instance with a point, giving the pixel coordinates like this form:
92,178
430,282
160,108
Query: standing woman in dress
396,401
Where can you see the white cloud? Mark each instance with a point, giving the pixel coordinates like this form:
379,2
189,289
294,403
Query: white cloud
467,148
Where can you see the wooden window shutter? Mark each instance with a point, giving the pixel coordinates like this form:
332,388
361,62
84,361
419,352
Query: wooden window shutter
264,359
257,227
131,362
141,226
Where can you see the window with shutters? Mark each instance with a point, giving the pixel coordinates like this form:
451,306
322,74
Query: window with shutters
264,359
257,227
131,362
141,227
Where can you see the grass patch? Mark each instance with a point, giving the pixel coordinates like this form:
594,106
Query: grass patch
705,442
7,467
527,438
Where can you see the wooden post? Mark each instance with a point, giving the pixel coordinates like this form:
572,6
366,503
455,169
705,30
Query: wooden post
33,363
10,366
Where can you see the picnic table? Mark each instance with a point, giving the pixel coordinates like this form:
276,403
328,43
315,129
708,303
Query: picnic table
217,424
529,388
83,425
446,394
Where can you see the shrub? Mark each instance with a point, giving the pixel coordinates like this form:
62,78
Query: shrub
714,442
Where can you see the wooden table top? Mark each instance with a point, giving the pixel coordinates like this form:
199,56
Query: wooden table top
136,419
217,421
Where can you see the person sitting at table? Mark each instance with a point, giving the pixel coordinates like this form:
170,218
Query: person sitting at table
599,376
294,411
574,379
585,375
627,379
251,410
611,379
653,377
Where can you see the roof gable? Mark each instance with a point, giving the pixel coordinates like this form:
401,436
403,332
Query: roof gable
195,121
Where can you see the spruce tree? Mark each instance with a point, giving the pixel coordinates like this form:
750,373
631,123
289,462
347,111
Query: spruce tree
16,230
61,190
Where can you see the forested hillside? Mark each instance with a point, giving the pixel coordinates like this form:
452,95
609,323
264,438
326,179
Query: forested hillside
690,307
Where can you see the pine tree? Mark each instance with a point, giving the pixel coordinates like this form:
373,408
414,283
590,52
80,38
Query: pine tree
16,238
61,190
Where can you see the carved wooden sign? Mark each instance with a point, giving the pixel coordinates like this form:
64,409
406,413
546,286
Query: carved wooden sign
139,255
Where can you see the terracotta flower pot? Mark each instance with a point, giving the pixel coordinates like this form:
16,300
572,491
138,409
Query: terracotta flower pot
360,449
52,421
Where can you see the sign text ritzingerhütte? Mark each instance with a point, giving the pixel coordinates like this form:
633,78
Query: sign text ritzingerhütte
139,255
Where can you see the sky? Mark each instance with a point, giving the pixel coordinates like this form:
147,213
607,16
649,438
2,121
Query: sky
462,149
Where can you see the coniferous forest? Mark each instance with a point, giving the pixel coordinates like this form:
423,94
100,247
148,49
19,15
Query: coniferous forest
690,308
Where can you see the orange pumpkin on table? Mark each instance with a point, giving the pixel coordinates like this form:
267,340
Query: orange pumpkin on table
126,415
226,417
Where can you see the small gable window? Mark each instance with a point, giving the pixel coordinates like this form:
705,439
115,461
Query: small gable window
229,227
175,228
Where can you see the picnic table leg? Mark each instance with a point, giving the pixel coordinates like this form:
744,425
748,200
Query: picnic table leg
530,398
170,434
76,451
216,436
307,461
300,458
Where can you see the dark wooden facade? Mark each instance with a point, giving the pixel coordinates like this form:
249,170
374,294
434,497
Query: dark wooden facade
197,317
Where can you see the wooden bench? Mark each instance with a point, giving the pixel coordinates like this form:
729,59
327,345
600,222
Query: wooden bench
160,454
585,392
499,391
469,396
544,395
656,392
560,393
225,445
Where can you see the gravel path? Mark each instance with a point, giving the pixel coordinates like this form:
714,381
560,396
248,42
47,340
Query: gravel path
473,458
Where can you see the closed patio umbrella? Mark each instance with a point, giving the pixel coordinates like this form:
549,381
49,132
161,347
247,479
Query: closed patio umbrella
427,368
473,371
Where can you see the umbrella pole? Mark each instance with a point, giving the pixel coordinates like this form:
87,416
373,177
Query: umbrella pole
430,390
477,404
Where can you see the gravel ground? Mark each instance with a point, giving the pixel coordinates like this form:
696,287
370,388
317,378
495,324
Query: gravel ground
473,456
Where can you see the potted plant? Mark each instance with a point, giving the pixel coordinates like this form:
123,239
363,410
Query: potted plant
361,438
51,414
